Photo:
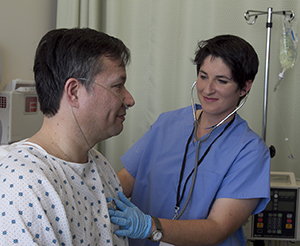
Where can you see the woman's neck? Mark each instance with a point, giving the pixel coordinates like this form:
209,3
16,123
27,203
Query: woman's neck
206,122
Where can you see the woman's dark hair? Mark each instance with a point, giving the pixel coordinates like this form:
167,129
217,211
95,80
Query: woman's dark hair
235,52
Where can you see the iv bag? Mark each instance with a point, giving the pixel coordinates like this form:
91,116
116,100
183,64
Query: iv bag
288,44
288,48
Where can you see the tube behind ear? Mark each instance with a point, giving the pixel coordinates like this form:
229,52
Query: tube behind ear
71,89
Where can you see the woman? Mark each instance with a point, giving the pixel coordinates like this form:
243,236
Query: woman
232,179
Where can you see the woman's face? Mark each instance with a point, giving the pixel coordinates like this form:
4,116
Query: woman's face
217,92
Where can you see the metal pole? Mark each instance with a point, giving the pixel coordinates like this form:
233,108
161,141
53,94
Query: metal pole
269,26
254,13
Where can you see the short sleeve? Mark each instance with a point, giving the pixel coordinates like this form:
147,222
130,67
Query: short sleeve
249,176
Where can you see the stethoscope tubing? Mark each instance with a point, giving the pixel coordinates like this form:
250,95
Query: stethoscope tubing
199,140
222,121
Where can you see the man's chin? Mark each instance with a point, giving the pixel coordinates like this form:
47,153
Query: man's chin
117,131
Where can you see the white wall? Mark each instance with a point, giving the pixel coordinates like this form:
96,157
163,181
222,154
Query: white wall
22,24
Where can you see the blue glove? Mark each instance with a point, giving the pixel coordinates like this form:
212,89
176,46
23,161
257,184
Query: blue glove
135,223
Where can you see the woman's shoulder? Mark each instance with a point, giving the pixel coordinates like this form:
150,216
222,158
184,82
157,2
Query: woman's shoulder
245,134
176,115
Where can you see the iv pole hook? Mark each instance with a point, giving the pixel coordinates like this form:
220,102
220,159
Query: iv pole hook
269,23
254,13
248,14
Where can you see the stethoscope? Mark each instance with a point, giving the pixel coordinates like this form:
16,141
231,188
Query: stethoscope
178,214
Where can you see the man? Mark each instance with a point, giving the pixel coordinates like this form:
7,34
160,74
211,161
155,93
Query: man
53,186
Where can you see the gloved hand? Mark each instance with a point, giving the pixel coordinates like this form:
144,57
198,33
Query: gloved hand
135,223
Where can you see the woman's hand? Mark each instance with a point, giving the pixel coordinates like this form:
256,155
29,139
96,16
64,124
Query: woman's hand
134,223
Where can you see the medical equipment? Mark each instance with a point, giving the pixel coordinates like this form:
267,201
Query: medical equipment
126,107
288,48
112,205
112,194
280,219
132,221
19,111
288,44
92,156
222,121
247,15
178,214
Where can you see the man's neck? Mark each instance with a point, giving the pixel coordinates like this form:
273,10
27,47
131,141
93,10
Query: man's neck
57,142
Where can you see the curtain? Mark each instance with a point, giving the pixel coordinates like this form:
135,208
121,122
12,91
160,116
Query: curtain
78,13
162,36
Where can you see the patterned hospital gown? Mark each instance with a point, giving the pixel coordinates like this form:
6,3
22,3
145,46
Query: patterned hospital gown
47,201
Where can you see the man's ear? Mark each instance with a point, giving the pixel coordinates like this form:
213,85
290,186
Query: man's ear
71,91
246,88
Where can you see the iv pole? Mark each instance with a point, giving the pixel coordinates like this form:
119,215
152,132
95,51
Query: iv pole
248,14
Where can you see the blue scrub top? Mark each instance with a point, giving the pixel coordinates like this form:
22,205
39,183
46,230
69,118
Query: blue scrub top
237,166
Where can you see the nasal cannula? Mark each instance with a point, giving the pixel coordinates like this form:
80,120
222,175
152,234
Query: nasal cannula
112,194
178,214
125,105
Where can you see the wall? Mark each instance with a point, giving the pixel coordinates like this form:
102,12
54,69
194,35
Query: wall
22,24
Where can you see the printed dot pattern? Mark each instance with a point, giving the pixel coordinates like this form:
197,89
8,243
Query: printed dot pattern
47,201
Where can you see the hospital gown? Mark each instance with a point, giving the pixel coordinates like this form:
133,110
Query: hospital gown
237,166
47,201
